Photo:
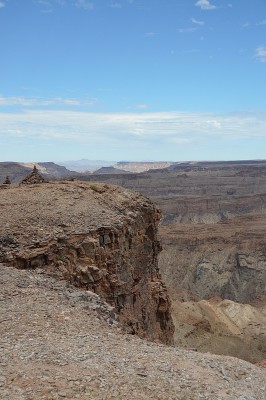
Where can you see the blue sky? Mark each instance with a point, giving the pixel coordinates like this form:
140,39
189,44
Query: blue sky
132,79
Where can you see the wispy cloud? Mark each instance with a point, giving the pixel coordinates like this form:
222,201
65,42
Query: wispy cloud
246,25
205,5
262,22
260,54
181,127
197,22
141,106
189,51
46,6
186,30
2,4
36,101
115,5
84,4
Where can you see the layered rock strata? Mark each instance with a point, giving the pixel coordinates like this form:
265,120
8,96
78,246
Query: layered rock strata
228,260
101,238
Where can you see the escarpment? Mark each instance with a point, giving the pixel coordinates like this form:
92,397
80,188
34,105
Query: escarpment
101,238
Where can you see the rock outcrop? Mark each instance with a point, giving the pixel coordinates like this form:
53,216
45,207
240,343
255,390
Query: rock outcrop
101,238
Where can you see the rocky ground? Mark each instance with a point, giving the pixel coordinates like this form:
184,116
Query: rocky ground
60,343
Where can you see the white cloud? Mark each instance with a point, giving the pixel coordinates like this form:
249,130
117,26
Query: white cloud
143,127
180,140
2,4
36,101
260,54
205,5
262,22
197,22
84,4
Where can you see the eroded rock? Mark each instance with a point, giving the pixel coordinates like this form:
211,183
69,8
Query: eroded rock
101,238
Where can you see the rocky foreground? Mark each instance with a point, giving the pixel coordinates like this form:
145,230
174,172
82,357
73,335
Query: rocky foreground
57,342
79,286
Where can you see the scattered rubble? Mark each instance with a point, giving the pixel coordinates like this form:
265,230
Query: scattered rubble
57,342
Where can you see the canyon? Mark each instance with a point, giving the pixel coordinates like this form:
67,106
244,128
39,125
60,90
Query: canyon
212,234
97,265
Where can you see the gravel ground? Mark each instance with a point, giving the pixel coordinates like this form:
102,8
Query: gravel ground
60,343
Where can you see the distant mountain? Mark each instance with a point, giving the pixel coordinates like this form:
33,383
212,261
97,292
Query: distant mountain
85,165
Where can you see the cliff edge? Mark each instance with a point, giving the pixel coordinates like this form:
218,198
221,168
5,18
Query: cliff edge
99,237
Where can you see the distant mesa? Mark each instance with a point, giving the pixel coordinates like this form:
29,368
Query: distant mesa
91,166
33,178
85,165
109,170
142,166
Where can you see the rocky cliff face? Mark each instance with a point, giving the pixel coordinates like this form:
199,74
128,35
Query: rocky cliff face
216,276
101,238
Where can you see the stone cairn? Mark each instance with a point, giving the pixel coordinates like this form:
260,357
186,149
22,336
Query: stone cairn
33,178
7,181
6,184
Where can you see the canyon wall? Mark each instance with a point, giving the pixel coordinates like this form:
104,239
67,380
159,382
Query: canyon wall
214,256
205,260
